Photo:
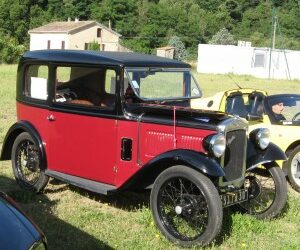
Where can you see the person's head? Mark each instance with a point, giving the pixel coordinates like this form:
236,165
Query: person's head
277,108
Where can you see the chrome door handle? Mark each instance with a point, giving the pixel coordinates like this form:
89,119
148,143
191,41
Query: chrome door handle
50,118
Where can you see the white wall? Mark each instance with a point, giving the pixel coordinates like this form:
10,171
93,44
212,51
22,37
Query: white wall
89,35
223,59
40,41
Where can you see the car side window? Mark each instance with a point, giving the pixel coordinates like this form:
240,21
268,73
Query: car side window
36,82
94,87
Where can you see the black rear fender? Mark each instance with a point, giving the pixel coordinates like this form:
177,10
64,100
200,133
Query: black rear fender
16,129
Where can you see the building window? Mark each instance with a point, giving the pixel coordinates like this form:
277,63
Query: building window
62,44
259,60
99,32
48,44
86,46
103,47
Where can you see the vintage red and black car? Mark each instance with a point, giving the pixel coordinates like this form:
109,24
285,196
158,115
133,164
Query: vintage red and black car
109,122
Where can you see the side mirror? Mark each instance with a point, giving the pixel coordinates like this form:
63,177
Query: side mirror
254,117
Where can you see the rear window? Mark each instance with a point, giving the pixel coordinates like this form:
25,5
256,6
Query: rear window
36,82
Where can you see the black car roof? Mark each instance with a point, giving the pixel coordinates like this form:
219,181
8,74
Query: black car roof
102,57
283,95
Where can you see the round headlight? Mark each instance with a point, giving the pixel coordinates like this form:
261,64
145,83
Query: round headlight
217,145
263,138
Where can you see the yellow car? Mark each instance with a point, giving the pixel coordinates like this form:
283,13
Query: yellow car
279,113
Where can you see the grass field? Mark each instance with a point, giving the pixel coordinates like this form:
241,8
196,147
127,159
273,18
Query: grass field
76,219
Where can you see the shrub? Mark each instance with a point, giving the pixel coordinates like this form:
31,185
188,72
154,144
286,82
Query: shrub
10,50
223,37
94,45
180,51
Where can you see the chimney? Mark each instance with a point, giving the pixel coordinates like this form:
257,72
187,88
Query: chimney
109,24
76,20
69,19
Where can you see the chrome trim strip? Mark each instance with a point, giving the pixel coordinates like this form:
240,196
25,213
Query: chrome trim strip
256,165
231,124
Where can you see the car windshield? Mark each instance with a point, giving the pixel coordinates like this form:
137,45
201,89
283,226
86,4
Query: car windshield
162,83
285,108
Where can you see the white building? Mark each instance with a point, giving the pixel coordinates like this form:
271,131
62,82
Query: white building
74,35
247,60
167,52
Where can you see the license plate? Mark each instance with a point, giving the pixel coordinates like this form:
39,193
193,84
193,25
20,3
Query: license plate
234,197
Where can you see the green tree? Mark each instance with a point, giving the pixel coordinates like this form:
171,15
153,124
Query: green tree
148,24
180,51
121,13
10,50
223,37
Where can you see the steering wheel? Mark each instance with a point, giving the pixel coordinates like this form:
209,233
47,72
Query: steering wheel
60,98
295,116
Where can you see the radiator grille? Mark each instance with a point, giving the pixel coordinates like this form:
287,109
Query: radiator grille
234,157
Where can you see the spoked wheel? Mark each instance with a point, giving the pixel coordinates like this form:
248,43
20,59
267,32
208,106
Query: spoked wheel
26,163
267,192
186,206
293,167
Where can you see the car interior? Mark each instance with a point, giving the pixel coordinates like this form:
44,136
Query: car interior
236,106
85,86
242,105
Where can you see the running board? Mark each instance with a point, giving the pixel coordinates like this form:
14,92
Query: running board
94,186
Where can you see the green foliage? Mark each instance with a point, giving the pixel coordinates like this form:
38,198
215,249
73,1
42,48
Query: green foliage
180,51
94,45
148,24
224,37
10,50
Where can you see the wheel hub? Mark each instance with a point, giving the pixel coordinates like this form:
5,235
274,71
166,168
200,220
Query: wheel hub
178,210
32,161
296,167
254,186
187,206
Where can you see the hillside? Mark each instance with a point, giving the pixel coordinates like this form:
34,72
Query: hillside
148,24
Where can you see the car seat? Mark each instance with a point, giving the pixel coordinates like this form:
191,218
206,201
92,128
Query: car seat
236,106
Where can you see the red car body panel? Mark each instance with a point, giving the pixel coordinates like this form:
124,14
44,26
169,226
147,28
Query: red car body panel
154,139
83,146
38,119
90,147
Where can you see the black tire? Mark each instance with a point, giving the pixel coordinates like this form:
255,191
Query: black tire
293,168
186,206
26,163
267,192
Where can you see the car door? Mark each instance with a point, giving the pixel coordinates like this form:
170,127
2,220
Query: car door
82,123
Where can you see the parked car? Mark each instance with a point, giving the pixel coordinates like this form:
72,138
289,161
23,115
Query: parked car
18,231
111,121
279,113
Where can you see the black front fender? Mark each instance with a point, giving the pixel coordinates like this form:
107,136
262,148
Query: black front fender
257,156
13,132
194,159
148,173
